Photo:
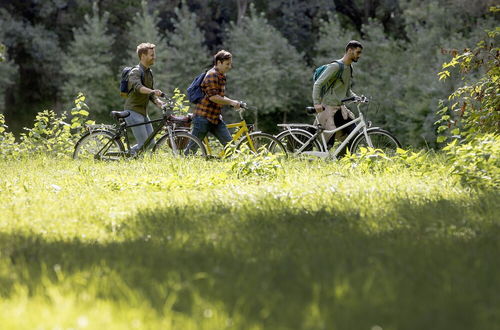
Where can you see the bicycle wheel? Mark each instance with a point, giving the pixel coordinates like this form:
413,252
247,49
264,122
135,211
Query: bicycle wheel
295,139
182,144
381,139
263,142
99,145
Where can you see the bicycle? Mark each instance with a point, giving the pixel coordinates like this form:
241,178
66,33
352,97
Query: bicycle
111,142
244,136
299,141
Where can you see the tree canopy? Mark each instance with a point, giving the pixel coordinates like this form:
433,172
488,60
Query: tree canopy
276,45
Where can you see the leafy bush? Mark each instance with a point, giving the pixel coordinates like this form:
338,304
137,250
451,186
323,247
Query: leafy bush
477,162
375,160
472,118
52,134
181,104
474,107
8,145
246,163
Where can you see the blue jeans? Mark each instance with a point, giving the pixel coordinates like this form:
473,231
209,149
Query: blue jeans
201,127
141,132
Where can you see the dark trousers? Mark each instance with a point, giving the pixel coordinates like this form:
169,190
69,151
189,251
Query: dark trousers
201,127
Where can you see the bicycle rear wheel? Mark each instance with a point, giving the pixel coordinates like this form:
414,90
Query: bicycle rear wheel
295,139
101,145
182,144
258,142
381,139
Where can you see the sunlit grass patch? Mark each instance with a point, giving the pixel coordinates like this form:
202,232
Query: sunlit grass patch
175,243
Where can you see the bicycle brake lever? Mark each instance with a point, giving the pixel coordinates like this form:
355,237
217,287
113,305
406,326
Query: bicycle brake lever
243,105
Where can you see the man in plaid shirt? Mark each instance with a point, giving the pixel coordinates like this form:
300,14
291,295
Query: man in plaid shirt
207,115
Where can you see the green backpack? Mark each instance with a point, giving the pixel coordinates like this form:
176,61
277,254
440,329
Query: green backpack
329,84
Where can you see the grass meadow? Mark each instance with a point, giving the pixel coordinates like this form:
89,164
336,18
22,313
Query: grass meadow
161,243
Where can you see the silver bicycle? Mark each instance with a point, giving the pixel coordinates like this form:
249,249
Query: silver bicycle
309,140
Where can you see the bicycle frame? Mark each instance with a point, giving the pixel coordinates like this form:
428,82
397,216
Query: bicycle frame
123,129
324,153
242,131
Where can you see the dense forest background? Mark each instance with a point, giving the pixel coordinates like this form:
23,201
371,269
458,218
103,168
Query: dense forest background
57,48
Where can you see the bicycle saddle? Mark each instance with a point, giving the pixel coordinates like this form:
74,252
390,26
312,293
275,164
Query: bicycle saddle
120,114
181,119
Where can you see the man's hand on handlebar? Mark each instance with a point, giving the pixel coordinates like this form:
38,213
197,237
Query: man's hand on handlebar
236,104
319,108
356,98
157,92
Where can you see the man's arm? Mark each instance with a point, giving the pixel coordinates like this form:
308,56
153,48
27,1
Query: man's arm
224,101
135,84
213,91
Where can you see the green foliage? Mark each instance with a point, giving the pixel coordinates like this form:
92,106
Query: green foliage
473,108
370,160
331,43
471,116
187,55
477,162
268,72
181,104
8,145
87,65
263,165
51,134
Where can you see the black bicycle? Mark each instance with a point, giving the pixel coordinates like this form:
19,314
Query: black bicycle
111,142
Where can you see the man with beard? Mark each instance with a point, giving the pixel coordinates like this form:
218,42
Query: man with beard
333,85
141,92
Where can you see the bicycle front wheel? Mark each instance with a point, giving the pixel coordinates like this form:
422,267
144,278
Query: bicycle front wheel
295,141
101,145
380,139
181,144
262,142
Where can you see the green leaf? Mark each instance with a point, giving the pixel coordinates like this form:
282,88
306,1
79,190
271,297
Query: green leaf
441,139
442,128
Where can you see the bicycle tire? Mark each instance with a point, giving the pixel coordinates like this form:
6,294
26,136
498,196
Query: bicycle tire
263,142
295,139
381,139
182,141
91,144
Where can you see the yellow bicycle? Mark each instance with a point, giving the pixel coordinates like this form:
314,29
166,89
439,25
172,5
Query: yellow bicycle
243,136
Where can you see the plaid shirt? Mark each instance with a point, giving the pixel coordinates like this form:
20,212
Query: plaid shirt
213,84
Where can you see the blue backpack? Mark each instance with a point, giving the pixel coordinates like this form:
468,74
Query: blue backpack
124,91
329,84
194,92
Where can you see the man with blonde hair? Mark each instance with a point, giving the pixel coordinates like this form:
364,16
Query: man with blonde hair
141,91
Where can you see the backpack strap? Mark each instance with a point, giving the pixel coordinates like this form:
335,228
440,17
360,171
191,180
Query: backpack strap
142,75
338,75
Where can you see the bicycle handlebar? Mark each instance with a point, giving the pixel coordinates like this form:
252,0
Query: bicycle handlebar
356,99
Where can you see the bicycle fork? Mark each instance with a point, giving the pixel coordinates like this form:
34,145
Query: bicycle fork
171,137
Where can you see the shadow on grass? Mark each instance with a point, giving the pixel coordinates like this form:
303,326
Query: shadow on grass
423,266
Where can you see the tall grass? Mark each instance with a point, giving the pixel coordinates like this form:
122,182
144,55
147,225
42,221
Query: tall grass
162,243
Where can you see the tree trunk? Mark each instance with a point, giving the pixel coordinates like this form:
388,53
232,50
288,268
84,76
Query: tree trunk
242,9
